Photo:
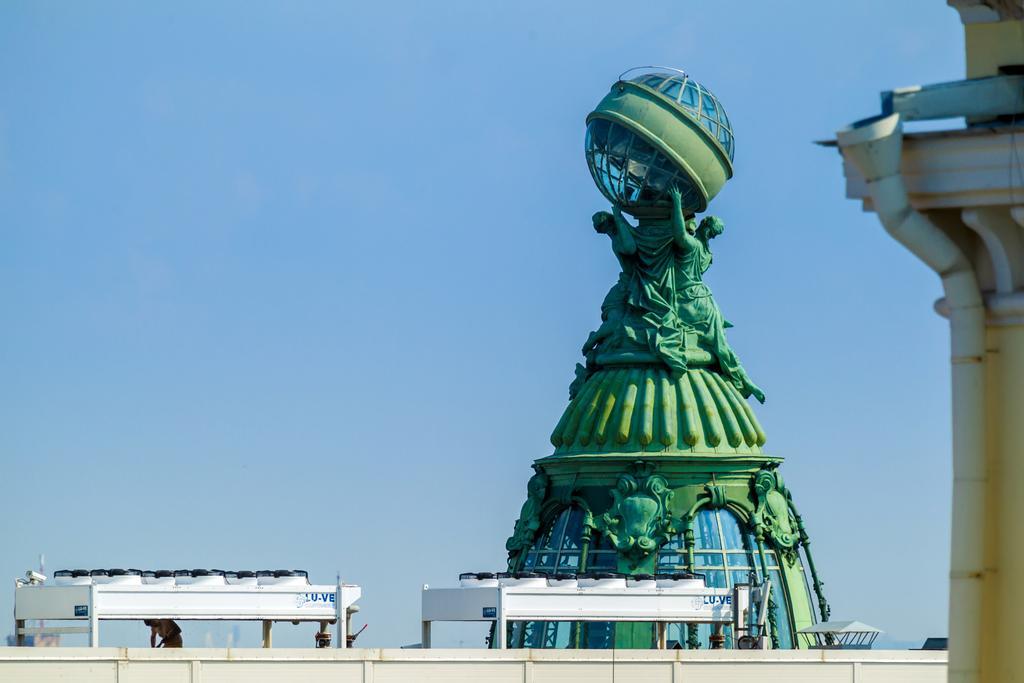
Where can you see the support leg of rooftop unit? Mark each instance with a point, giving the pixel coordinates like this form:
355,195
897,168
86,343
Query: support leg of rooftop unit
339,605
267,626
425,635
662,635
344,626
324,625
19,634
94,620
717,639
501,632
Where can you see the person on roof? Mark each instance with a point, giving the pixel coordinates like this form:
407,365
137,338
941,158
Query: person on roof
167,629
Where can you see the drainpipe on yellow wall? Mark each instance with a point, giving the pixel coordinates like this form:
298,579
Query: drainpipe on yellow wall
874,147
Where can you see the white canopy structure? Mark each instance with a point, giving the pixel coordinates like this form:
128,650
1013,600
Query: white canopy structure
840,635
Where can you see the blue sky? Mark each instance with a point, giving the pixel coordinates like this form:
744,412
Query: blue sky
303,284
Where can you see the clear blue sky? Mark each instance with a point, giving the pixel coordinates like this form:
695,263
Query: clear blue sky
303,284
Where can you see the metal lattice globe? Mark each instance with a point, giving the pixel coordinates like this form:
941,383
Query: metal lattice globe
654,130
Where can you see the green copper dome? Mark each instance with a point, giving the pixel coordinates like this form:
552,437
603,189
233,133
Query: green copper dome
658,462
658,130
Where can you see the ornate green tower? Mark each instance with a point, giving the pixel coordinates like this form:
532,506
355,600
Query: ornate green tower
658,463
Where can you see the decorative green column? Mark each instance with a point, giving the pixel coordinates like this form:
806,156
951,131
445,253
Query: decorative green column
658,463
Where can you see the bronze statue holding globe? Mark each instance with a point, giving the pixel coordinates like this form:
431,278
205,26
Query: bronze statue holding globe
660,309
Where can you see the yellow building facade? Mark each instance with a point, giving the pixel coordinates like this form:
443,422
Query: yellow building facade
955,198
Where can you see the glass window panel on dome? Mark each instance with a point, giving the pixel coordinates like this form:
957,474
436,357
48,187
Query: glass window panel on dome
619,139
672,89
708,560
642,151
674,543
708,105
614,183
732,535
690,99
730,562
634,181
707,534
541,562
723,117
572,530
715,578
738,576
613,167
709,124
598,162
606,185
563,538
781,613
569,562
554,538
658,182
544,540
595,160
654,81
741,560
669,561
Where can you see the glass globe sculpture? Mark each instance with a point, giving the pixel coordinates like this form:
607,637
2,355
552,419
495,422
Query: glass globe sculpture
655,129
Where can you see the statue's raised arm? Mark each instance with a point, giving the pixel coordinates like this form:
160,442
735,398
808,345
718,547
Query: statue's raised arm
682,237
622,233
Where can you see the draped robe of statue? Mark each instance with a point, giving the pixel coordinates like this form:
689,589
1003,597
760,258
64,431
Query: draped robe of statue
699,312
652,311
660,296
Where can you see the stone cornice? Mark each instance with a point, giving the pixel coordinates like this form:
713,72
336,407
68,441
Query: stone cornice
970,167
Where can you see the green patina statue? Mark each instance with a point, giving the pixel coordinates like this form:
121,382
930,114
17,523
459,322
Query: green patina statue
660,306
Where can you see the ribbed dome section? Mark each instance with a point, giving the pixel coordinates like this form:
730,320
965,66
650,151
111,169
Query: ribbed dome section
644,409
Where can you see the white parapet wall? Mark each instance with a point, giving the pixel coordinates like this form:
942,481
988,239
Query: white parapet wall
367,665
